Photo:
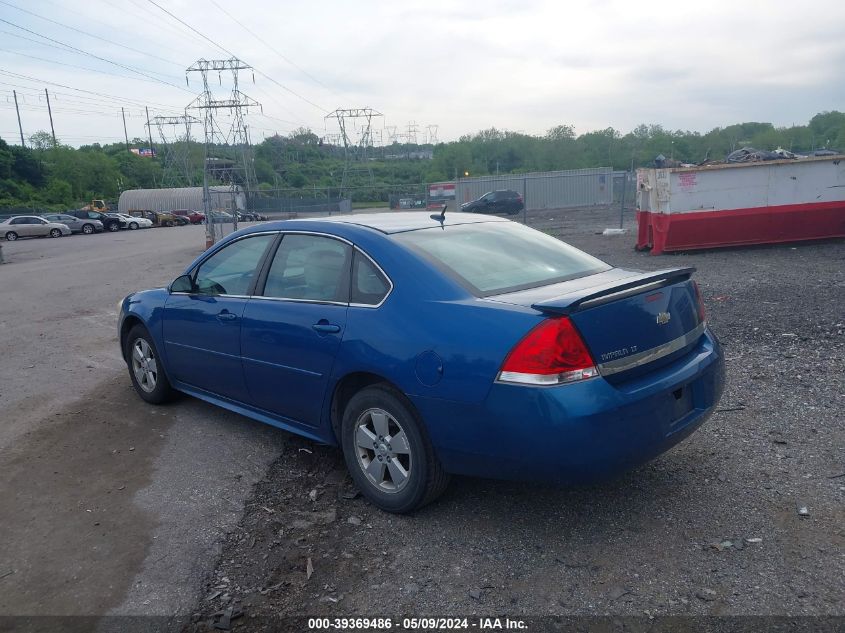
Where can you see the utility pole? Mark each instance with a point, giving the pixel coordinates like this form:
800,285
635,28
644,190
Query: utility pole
125,133
50,111
149,129
20,127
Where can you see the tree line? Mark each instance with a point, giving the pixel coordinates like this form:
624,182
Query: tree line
300,164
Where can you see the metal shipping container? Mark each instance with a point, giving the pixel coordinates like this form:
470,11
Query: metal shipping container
741,203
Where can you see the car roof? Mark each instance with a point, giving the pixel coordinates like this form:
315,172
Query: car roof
392,222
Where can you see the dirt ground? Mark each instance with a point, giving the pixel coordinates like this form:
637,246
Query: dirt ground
193,514
745,518
109,505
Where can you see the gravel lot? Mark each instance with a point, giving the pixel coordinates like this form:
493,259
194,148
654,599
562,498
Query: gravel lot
111,506
714,527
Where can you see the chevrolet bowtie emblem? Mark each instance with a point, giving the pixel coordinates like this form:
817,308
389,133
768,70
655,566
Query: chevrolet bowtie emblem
663,318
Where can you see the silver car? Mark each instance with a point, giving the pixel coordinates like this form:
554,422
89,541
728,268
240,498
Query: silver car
76,225
31,226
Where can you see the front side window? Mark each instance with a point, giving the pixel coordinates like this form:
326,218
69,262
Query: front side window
498,257
309,267
230,271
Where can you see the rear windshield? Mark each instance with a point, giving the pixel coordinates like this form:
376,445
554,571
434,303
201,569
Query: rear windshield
497,257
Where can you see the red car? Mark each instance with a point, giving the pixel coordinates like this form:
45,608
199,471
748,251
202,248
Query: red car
194,216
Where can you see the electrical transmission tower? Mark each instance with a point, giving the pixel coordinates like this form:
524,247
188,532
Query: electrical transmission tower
356,131
174,148
391,134
432,134
228,155
412,132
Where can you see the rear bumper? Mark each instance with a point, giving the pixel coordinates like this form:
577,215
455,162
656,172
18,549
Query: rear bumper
581,432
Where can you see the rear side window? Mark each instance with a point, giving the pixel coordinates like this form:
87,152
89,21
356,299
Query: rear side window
309,268
369,285
498,257
230,270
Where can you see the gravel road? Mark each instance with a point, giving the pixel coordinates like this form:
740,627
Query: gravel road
109,505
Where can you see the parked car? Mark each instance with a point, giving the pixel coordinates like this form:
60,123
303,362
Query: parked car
181,220
131,223
502,201
195,217
157,218
399,338
110,224
31,226
218,217
75,224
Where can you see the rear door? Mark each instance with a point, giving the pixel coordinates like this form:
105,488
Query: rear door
292,331
202,328
22,227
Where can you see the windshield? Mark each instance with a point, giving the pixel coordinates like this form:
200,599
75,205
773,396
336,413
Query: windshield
498,257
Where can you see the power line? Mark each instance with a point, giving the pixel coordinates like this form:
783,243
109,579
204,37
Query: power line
99,94
97,36
272,48
230,53
52,61
103,59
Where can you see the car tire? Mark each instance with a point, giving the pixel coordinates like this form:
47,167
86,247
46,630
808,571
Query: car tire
133,226
114,227
87,229
168,223
384,415
145,367
11,236
55,233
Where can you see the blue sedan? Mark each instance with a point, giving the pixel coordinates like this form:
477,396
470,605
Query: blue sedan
427,346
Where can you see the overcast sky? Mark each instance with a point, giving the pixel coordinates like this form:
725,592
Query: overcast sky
517,65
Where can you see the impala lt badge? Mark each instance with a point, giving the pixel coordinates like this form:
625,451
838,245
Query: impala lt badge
663,318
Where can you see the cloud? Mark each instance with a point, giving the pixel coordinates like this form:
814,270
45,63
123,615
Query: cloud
510,64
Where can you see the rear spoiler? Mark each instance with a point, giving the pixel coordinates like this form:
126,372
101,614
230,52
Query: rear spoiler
589,297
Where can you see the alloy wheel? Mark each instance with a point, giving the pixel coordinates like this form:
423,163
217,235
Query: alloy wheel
383,451
144,365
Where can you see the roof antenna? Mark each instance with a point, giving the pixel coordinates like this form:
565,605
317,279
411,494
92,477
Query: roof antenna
442,217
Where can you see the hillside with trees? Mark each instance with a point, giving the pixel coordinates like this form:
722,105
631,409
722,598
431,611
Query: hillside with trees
42,176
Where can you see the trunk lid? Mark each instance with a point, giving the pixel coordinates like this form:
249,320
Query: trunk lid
632,322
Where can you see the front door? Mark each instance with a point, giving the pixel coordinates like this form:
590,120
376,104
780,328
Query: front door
291,333
202,328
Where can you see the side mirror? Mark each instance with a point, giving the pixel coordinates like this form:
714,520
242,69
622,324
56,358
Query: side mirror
184,283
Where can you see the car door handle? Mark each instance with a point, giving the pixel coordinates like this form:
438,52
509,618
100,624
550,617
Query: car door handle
227,316
326,327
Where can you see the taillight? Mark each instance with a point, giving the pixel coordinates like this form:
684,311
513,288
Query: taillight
702,314
552,353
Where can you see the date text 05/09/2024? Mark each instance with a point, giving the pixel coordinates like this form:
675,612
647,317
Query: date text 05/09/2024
415,624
